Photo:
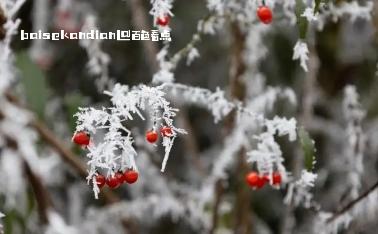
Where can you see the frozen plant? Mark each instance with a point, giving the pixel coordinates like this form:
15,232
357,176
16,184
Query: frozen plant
116,151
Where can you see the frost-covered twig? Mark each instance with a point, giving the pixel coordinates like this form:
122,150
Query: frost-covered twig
98,60
139,20
354,115
354,202
41,194
363,207
10,8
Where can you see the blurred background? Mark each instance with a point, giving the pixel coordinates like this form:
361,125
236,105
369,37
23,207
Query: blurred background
54,80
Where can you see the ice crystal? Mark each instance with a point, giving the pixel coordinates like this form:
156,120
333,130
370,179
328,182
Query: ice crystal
301,54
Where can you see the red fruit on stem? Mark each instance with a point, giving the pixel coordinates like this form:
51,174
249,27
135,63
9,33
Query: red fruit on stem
81,138
252,179
166,131
151,136
112,182
130,176
265,14
277,179
119,177
163,21
100,180
261,181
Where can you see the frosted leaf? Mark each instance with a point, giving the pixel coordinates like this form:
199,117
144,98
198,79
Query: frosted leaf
301,54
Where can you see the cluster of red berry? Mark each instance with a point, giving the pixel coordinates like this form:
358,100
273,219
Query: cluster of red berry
129,176
152,135
265,14
163,21
255,180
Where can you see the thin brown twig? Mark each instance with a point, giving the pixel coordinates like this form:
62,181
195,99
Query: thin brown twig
140,22
242,221
351,204
69,157
218,195
42,196
66,154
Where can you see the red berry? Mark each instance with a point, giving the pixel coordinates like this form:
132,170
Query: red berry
100,180
113,182
252,179
119,177
277,179
151,136
166,131
265,14
81,138
130,176
261,181
163,21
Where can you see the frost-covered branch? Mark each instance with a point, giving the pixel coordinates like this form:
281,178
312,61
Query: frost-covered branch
9,9
362,207
354,150
98,60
